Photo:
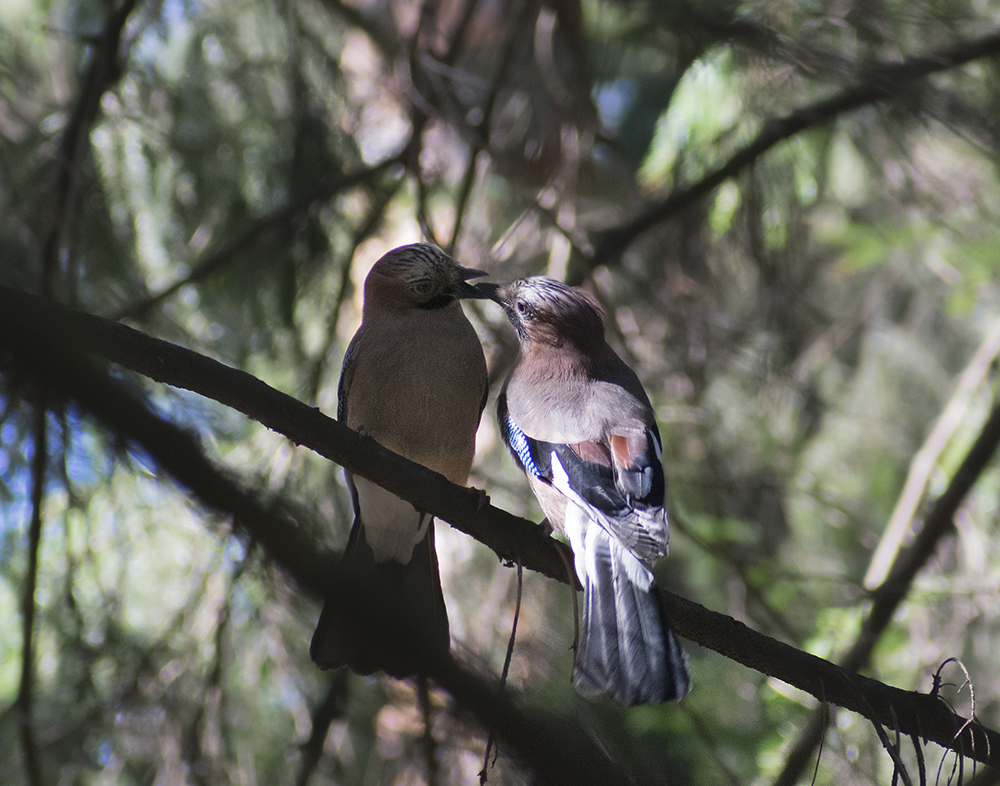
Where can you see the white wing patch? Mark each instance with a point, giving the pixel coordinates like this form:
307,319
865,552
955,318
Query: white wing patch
579,527
393,527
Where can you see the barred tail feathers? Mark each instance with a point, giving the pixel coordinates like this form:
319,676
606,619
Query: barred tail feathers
626,647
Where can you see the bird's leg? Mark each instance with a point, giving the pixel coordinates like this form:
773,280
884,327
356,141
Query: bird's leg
503,674
482,498
570,574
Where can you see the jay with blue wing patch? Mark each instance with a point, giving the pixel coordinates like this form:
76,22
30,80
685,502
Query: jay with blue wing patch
580,425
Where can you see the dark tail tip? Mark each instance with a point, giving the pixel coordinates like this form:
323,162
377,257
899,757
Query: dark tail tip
627,649
414,589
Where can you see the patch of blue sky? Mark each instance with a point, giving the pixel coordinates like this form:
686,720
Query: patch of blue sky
613,99
156,44
87,461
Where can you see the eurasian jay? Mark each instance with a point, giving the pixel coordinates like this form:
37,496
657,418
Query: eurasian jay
413,379
580,425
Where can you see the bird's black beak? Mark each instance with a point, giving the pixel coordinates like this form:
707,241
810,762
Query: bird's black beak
462,288
489,291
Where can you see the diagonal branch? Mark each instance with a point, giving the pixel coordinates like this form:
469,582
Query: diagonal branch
887,597
556,748
902,521
255,233
512,538
102,71
881,83
509,536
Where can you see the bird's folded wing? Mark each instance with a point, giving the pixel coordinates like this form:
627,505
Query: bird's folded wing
621,480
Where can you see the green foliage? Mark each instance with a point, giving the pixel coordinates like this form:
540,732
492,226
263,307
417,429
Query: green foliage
799,330
704,124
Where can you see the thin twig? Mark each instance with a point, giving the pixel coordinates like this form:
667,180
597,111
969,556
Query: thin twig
462,200
102,71
218,260
824,719
898,768
38,336
918,751
571,571
371,222
29,747
506,669
880,83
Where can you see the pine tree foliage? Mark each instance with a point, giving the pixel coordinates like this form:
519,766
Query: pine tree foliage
790,212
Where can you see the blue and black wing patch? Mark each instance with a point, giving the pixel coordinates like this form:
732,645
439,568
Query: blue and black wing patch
525,450
615,479
622,480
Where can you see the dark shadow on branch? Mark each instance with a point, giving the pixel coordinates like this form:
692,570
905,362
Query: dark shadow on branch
22,316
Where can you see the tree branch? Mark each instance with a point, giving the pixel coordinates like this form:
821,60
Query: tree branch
217,260
23,315
881,83
467,509
39,472
556,748
887,597
102,71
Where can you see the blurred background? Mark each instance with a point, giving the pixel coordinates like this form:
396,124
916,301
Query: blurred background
818,333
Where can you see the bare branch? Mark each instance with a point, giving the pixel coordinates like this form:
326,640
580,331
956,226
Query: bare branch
886,599
466,509
39,471
102,71
556,748
22,315
881,83
277,219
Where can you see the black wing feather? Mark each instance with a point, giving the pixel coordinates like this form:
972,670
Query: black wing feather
618,495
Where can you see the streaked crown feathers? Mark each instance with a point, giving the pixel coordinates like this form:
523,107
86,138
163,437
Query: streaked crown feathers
540,305
416,262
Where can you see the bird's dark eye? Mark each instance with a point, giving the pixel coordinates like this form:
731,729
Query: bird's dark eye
422,287
522,308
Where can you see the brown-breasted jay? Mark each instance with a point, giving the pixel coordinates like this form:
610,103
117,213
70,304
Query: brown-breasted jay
580,425
413,379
